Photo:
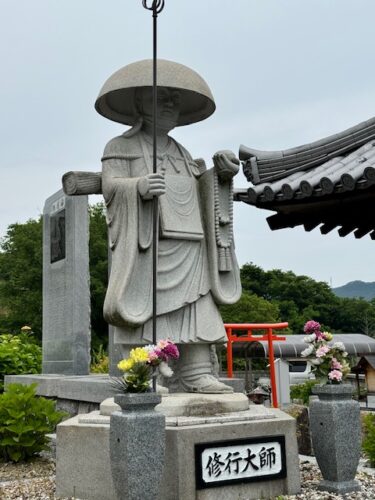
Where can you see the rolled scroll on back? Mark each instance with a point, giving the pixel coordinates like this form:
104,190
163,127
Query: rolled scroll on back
80,183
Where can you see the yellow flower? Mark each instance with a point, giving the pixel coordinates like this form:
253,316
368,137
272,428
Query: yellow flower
139,355
345,368
125,365
328,336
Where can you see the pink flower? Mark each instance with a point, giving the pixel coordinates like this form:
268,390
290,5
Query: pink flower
311,327
322,351
166,350
335,375
171,351
160,354
336,365
162,344
153,357
319,335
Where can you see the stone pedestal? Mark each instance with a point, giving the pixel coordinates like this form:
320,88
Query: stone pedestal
137,446
197,405
83,465
336,436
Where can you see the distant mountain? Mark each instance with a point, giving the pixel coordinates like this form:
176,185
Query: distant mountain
356,289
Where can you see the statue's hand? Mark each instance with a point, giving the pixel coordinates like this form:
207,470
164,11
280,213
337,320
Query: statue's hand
151,185
227,164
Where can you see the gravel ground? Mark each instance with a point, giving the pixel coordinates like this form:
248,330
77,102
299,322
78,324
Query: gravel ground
310,477
31,480
36,481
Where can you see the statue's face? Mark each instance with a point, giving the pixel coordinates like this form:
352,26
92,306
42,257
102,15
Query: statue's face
167,110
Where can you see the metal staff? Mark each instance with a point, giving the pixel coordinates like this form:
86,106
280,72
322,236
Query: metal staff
156,7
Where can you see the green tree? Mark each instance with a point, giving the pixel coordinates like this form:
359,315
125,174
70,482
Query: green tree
98,273
21,268
250,309
354,315
255,280
21,277
298,298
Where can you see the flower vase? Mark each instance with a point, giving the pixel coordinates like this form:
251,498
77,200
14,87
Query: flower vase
336,436
137,446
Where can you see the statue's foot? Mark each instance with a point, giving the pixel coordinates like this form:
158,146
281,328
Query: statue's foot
205,384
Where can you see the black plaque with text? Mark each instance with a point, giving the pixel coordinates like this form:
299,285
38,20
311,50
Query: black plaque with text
57,228
222,463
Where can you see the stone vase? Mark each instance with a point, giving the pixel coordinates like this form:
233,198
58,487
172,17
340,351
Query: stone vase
336,436
137,446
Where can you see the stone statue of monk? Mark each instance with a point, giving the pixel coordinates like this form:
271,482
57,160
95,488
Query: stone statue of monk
197,267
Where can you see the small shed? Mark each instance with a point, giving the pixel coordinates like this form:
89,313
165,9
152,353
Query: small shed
366,365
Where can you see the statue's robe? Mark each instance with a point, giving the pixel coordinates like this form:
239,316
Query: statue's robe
189,283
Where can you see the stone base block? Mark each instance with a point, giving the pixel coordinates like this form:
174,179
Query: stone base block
338,487
191,405
82,460
83,467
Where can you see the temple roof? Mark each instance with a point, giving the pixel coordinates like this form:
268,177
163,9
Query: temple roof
330,182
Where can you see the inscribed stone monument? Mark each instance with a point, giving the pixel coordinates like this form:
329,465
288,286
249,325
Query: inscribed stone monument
66,290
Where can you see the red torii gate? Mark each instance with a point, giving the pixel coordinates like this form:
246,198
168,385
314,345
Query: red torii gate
249,337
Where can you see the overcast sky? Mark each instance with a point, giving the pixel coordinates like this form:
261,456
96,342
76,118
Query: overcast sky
282,72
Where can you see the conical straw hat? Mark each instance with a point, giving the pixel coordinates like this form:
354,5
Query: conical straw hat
116,99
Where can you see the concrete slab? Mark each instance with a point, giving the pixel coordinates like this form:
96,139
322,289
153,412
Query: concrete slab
89,388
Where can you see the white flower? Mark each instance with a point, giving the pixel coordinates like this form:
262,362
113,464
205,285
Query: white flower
306,352
165,370
309,338
149,347
339,345
317,361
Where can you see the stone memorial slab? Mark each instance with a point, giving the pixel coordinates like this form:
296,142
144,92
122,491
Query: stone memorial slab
66,287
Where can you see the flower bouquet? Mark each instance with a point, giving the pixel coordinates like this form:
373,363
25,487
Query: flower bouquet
329,361
144,363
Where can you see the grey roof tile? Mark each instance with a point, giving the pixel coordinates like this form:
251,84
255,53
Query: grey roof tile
328,183
262,166
339,173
